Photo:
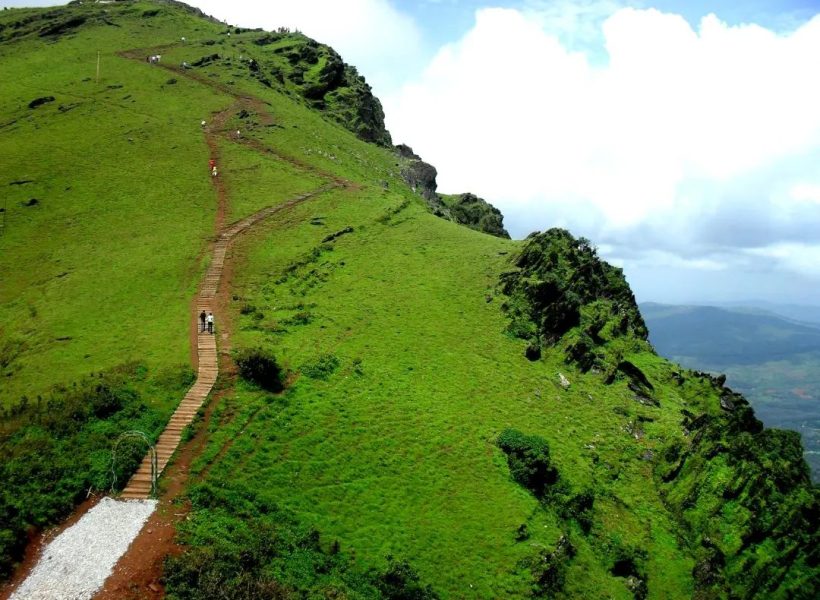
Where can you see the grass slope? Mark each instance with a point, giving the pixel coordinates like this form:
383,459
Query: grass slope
102,269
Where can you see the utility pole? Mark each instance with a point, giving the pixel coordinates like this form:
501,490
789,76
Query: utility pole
98,66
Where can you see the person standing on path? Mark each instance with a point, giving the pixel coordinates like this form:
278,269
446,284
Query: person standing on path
211,323
211,165
202,318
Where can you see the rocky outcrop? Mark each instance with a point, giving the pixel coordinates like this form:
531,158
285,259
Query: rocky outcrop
563,292
761,537
320,76
476,213
465,209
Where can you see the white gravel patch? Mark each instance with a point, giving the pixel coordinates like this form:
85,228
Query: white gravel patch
77,562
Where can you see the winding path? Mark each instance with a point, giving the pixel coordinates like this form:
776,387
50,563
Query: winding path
76,563
139,487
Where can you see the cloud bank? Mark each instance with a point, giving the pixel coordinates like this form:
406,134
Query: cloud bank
693,149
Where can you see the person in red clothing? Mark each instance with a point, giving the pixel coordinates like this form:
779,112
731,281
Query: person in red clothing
211,165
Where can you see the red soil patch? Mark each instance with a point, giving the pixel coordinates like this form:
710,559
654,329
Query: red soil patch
138,574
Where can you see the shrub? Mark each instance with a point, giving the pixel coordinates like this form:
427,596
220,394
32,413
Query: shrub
401,582
549,569
260,367
322,368
528,457
301,318
579,507
239,544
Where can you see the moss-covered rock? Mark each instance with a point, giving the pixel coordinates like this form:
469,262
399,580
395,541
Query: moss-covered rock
563,292
476,213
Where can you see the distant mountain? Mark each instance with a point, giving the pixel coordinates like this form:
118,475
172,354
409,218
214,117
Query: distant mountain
774,361
797,312
723,336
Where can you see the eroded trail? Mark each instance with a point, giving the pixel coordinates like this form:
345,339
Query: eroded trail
77,563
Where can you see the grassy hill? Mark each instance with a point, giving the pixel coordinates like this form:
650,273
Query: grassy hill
464,415
774,361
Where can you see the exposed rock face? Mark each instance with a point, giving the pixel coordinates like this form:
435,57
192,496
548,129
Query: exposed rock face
421,176
405,151
465,209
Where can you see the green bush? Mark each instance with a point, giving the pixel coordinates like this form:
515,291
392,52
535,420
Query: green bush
549,569
401,582
528,457
321,368
259,366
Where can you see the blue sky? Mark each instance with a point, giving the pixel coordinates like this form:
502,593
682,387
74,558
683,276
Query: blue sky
682,138
446,20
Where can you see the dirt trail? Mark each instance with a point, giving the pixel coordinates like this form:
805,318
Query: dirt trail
137,574
207,360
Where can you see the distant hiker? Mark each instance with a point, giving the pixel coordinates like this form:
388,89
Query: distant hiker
211,163
185,65
214,173
184,40
202,317
210,323
238,133
203,123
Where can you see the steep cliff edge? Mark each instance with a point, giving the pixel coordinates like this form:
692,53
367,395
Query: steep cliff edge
741,493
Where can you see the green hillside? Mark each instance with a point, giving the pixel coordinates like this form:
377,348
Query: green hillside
463,416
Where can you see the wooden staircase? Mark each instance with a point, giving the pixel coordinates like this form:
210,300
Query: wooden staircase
139,486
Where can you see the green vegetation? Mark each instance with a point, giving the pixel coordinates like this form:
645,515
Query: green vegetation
392,463
765,529
259,366
528,457
54,450
476,213
560,286
244,546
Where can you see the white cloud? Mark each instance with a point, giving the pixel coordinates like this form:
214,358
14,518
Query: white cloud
676,128
354,28
805,192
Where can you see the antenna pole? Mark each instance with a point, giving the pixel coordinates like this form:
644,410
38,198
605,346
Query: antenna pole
98,66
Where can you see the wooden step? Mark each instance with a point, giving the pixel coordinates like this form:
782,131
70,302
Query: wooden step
139,486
